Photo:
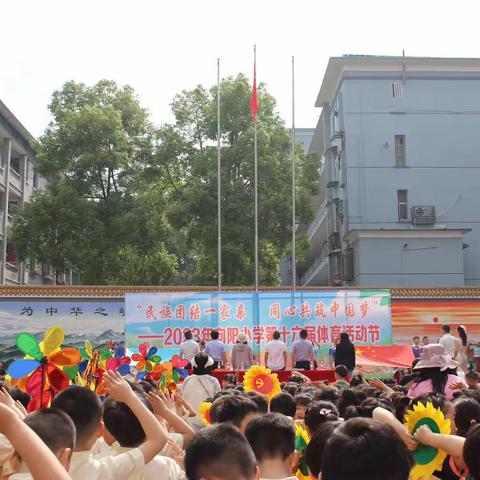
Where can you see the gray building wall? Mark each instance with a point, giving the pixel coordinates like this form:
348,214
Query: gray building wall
413,261
441,129
436,105
304,136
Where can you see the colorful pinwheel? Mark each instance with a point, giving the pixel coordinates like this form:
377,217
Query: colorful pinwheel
146,360
179,367
43,365
173,371
90,371
118,362
157,371
169,373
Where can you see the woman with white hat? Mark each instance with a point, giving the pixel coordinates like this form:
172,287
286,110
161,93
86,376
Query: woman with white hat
436,372
200,386
242,355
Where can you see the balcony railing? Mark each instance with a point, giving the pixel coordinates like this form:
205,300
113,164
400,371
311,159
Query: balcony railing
16,179
317,221
319,261
12,272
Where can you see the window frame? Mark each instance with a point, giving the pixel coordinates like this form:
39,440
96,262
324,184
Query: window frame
400,152
402,204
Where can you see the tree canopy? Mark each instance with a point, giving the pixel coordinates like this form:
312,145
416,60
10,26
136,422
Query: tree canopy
128,203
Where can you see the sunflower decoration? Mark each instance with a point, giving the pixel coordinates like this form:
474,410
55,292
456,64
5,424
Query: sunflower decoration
261,380
427,459
302,440
41,371
146,360
204,413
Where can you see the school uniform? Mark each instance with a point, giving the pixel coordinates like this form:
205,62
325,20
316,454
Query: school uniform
100,447
6,449
129,465
176,438
159,467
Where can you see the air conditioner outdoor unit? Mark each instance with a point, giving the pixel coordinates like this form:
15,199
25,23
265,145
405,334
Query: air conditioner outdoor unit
423,215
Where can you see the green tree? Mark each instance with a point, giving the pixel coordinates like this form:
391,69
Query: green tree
92,217
187,151
130,204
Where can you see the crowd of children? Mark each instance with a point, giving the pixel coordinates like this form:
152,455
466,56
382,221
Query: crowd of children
356,430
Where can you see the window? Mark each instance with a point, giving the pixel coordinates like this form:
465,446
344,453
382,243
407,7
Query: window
35,180
15,164
397,89
400,160
334,116
45,270
402,205
11,254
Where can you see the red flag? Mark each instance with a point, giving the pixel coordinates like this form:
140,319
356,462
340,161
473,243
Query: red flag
254,101
384,355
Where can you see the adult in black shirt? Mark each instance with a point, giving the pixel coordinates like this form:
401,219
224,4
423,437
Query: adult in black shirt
345,353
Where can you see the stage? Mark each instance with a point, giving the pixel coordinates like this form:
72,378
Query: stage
284,375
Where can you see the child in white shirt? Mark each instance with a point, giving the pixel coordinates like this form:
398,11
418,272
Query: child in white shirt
37,457
85,409
56,430
272,438
122,426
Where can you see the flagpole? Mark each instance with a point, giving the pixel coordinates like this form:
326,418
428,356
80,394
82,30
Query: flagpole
256,178
294,243
219,182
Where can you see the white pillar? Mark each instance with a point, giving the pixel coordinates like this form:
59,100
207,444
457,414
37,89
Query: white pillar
6,156
24,170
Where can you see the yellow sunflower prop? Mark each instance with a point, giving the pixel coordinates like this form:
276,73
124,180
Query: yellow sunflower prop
301,442
261,380
204,413
427,459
